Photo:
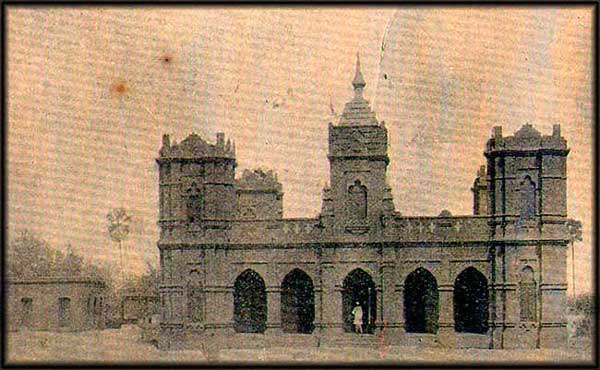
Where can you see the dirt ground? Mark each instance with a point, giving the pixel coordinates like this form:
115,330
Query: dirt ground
124,346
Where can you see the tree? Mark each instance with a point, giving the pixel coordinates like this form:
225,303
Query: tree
145,284
118,229
575,235
30,257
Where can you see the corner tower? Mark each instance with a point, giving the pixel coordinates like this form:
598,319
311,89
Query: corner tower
359,199
528,182
196,183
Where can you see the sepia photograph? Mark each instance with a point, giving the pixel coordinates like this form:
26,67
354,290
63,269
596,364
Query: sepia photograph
300,185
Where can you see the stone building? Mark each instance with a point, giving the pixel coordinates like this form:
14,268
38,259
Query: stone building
236,273
55,304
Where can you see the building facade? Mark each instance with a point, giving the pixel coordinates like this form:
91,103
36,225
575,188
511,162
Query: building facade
55,304
236,273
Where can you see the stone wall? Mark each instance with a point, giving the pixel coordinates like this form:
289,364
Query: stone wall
44,298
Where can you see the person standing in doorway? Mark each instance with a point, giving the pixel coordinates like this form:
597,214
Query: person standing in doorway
357,312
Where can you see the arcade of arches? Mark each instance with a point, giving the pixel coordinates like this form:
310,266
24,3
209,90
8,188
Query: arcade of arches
421,302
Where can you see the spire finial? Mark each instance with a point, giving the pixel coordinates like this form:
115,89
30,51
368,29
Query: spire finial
358,82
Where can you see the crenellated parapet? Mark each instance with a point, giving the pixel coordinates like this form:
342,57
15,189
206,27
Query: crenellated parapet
525,139
194,147
443,228
398,230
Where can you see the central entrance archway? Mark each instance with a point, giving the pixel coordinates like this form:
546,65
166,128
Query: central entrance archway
250,303
297,303
359,288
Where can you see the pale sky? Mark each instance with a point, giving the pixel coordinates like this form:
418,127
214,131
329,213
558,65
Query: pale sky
92,90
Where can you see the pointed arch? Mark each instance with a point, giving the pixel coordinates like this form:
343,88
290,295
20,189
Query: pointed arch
471,300
359,288
250,303
527,295
297,302
421,302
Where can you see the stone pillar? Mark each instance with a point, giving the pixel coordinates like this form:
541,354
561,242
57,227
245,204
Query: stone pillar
318,307
446,332
388,301
273,309
332,303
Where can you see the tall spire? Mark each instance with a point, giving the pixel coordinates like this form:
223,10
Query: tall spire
357,112
358,82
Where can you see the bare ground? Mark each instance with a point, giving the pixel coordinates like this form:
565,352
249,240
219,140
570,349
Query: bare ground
124,346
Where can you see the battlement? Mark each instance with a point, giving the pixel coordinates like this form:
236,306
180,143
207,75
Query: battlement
194,147
526,138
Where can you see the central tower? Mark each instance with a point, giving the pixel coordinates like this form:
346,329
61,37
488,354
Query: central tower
359,199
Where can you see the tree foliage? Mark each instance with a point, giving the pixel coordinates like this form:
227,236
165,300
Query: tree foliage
146,284
30,257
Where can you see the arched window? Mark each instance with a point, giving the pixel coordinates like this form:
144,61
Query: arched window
195,297
194,203
471,302
166,264
528,206
64,312
421,302
297,303
26,311
249,303
357,200
359,290
527,294
97,310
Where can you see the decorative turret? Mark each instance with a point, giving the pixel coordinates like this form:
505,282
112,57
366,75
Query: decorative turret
259,195
480,191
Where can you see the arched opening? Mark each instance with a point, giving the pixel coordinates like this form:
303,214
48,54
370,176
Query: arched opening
297,303
471,302
97,310
64,312
528,206
26,311
359,290
250,303
194,203
421,302
527,295
195,297
357,205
